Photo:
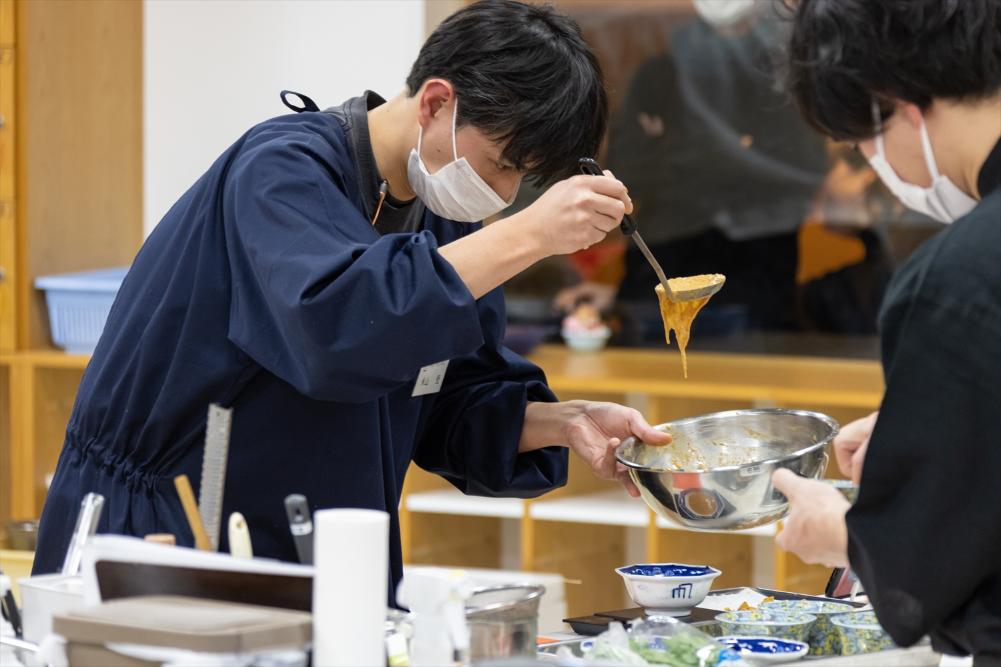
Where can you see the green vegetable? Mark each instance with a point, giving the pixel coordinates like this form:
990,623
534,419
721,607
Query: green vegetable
616,655
683,650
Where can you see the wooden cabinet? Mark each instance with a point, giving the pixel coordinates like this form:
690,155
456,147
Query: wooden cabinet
70,200
8,255
37,389
79,139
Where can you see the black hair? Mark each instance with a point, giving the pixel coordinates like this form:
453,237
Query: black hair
843,54
523,76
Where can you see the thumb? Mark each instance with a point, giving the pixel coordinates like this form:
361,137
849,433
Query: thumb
858,459
788,482
648,434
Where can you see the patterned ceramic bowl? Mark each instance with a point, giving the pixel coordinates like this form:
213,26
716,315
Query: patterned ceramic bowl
758,650
668,589
793,625
823,638
860,632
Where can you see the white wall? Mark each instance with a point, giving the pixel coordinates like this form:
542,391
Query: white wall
213,68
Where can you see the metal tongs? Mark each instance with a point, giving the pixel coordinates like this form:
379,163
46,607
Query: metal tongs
86,526
591,167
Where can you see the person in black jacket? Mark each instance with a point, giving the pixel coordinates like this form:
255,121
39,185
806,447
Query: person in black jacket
916,84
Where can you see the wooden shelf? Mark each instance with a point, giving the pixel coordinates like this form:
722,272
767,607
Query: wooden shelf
609,508
46,358
37,391
760,531
456,503
748,378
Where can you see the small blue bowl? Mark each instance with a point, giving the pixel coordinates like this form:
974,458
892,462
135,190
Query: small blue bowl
766,649
668,589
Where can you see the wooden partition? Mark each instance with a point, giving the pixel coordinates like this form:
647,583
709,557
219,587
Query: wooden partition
8,153
71,143
6,440
38,397
79,144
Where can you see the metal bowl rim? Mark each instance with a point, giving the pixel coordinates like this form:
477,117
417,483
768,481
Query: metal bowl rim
535,591
829,421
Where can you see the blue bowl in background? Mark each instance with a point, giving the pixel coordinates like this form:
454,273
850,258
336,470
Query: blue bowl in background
766,649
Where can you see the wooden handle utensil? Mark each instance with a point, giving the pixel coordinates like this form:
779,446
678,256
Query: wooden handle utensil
187,496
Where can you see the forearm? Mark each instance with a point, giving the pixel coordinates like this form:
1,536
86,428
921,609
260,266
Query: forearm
545,424
492,255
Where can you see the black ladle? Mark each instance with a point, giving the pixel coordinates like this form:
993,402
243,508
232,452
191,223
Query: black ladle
591,167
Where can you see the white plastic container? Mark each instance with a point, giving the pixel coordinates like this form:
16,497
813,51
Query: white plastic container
44,596
79,304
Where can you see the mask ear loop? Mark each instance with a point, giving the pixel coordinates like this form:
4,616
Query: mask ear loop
877,125
420,134
455,114
929,154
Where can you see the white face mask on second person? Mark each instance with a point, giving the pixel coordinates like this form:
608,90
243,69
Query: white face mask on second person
456,191
942,200
724,13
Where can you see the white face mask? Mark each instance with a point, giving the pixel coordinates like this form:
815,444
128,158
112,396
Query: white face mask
456,191
724,13
943,200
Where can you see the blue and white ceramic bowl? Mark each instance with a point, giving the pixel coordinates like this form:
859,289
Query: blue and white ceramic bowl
823,638
794,625
668,589
860,632
761,650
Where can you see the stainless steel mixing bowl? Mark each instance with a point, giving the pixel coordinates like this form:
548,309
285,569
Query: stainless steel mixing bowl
503,621
717,474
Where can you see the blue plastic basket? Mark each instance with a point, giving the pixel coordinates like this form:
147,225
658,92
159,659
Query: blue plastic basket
79,304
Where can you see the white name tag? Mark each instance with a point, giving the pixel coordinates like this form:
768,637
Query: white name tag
430,378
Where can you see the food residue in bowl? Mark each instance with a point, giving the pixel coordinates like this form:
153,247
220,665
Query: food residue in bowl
682,456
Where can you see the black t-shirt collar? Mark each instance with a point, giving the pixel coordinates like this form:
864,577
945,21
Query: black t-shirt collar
990,173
